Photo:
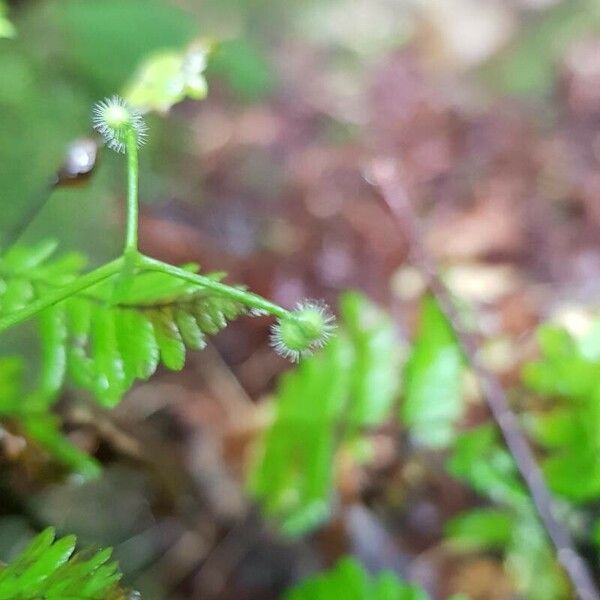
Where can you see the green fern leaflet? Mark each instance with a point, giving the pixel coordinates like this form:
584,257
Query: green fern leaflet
48,570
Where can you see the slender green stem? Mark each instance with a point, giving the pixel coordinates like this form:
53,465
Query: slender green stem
131,239
247,298
55,296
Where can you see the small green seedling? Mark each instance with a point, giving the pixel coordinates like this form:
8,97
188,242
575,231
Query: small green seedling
295,334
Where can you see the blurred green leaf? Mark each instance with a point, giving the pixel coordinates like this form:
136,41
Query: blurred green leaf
432,380
480,460
589,343
513,527
480,529
562,370
569,372
168,77
375,378
47,569
293,475
556,428
320,406
11,384
7,29
530,64
531,561
563,473
104,347
349,580
53,338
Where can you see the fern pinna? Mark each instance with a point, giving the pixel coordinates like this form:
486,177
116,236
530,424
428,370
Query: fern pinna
109,327
47,569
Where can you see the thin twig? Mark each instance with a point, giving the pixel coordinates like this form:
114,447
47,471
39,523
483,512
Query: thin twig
385,176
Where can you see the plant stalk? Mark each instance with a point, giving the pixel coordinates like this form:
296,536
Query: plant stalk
131,237
53,297
243,297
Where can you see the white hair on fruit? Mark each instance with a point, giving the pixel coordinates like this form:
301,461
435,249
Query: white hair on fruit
114,119
308,328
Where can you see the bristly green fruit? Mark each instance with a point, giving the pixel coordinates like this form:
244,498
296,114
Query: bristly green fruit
115,119
304,331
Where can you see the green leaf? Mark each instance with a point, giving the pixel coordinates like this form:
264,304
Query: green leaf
109,381
16,294
293,476
319,408
589,344
349,580
56,555
137,344
563,473
531,561
105,344
47,569
568,372
32,553
514,528
155,319
190,330
7,29
170,342
60,270
150,288
375,378
53,336
480,529
562,370
11,384
529,65
557,427
388,587
432,388
79,318
168,77
480,460
20,259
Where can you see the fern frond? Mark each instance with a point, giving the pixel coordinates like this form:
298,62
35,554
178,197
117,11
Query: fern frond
433,398
322,404
349,579
111,346
480,460
48,569
105,346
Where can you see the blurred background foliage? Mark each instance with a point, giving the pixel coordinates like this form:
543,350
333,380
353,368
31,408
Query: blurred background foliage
231,480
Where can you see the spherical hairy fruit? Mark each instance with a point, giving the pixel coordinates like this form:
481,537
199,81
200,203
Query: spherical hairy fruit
116,116
114,119
308,328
